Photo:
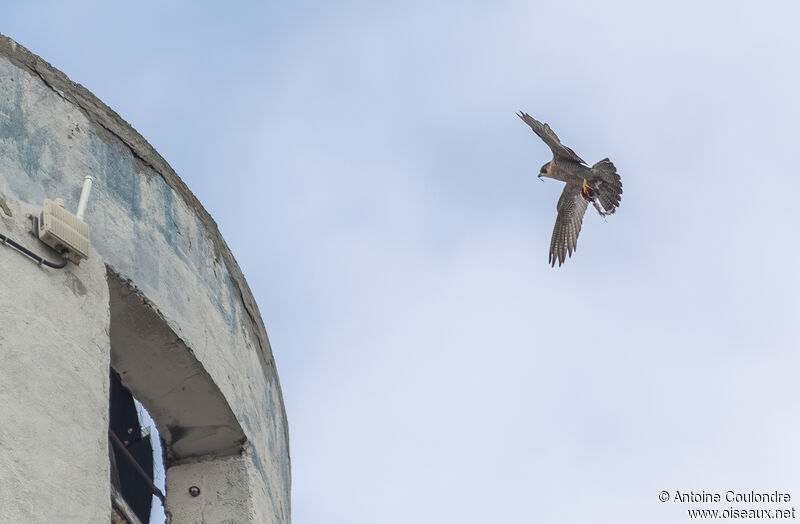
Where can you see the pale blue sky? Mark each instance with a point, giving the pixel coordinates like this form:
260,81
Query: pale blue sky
364,163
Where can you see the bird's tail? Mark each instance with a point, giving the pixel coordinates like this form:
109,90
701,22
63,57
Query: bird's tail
608,185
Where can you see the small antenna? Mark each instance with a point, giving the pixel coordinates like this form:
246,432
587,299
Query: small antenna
87,186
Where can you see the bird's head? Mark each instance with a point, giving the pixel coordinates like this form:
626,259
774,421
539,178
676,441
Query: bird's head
543,171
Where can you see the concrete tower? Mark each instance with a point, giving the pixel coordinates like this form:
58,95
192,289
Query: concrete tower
159,310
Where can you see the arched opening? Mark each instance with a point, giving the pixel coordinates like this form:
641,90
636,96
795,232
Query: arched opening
194,420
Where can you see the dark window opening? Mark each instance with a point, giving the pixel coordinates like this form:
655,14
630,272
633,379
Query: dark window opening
131,455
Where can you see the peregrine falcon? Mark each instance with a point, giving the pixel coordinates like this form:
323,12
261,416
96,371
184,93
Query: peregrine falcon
599,184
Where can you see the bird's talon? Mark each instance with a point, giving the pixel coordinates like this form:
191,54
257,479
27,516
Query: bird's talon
588,192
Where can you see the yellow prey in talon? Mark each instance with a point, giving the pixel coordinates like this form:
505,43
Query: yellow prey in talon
590,195
587,191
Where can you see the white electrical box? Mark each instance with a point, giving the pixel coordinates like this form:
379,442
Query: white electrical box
63,231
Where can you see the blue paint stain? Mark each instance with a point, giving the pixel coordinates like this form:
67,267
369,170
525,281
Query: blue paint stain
28,146
258,463
275,438
120,179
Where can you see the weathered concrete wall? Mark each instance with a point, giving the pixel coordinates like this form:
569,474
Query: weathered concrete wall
54,349
221,482
148,227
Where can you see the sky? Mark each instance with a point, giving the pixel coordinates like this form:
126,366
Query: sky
364,163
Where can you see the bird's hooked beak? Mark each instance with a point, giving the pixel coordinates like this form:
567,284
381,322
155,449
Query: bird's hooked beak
543,171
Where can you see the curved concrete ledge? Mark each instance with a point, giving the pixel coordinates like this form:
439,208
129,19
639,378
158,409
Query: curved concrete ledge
193,417
162,248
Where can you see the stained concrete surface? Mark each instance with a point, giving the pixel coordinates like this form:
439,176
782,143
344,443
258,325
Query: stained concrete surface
149,229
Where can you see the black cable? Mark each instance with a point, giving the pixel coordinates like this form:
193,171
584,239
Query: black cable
37,258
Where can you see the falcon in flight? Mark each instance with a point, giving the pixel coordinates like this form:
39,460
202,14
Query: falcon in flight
599,184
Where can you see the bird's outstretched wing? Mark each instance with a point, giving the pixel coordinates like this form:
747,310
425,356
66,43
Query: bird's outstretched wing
571,208
550,138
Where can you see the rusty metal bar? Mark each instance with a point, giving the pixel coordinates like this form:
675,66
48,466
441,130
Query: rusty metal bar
132,461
